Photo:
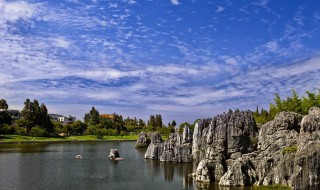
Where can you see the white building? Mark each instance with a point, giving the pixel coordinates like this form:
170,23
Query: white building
62,119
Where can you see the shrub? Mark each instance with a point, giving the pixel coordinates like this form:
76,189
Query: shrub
99,133
291,149
7,129
38,132
90,130
21,131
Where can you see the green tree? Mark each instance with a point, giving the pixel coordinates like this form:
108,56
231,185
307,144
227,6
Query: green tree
141,123
174,124
3,104
93,117
5,118
158,121
28,113
34,114
152,121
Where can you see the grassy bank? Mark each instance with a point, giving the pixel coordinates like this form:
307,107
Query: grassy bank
19,138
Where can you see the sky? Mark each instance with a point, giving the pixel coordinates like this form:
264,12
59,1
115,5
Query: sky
183,59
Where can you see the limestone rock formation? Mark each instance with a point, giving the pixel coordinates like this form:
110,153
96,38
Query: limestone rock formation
231,150
221,141
241,173
177,148
143,141
114,154
155,147
288,154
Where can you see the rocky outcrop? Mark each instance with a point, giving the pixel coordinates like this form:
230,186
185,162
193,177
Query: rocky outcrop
114,154
241,173
288,154
306,174
220,141
143,140
231,150
177,148
155,147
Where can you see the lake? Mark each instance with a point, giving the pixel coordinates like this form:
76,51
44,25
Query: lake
53,166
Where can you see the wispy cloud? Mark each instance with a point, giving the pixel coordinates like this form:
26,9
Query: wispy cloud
175,2
109,54
219,9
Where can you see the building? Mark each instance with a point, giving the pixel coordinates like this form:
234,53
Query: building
62,119
106,116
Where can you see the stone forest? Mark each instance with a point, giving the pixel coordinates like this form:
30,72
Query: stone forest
230,149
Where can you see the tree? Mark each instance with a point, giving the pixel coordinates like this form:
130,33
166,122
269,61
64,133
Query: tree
158,121
3,104
174,124
152,121
28,114
141,123
92,118
34,114
5,118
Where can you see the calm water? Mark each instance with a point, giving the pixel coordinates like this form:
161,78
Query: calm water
53,166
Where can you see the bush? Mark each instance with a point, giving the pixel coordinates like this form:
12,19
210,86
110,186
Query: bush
99,133
90,130
291,149
7,129
21,131
38,132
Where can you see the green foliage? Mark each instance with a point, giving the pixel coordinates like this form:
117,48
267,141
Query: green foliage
99,133
291,149
7,129
35,114
21,131
92,118
5,118
38,132
3,104
294,103
272,187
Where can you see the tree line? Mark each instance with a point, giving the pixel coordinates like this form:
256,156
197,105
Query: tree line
35,121
293,103
114,124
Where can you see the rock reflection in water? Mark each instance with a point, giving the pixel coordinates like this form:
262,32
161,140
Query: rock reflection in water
171,170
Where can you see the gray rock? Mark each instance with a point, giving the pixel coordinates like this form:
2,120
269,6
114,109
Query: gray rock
155,147
225,136
114,154
288,154
241,173
153,151
143,141
177,148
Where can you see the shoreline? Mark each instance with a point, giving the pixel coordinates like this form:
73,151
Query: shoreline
62,141
17,139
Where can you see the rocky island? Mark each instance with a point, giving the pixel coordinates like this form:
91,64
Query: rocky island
232,150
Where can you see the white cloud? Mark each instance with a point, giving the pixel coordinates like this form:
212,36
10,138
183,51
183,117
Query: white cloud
272,46
61,42
219,9
13,11
175,2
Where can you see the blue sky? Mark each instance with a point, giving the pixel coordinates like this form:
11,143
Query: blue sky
184,59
